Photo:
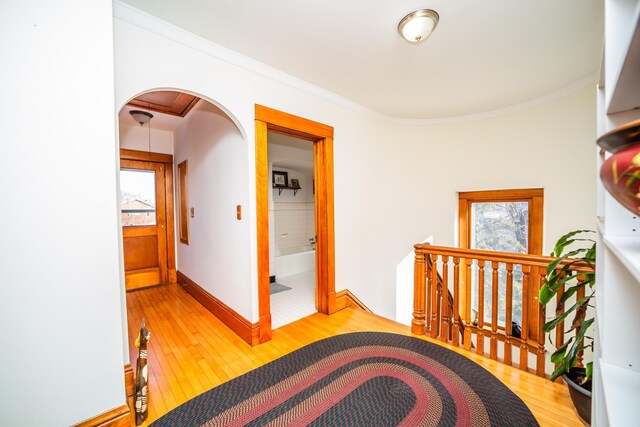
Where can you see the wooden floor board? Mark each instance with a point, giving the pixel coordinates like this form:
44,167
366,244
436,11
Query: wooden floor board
192,351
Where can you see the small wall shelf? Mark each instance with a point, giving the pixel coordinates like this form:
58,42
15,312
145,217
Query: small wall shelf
295,190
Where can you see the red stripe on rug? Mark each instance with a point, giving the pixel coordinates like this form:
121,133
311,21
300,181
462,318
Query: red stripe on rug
426,397
464,413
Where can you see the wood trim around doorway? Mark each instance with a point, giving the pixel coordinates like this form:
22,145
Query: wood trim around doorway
167,160
268,119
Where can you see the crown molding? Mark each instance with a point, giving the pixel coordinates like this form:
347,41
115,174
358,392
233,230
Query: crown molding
590,80
156,25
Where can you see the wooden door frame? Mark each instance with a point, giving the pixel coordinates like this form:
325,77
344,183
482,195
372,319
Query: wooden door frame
268,119
167,161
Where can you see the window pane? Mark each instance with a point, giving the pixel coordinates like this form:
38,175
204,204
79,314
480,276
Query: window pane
499,226
138,197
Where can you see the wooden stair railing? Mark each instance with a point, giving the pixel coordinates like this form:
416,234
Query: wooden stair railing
436,314
446,309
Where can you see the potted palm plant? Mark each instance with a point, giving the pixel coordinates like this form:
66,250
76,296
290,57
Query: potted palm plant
578,251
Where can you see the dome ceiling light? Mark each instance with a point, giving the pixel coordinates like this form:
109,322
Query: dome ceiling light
141,117
418,25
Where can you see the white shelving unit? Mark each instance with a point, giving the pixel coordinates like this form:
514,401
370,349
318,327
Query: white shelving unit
617,354
621,393
627,249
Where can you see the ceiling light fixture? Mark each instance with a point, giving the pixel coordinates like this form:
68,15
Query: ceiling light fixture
141,117
418,25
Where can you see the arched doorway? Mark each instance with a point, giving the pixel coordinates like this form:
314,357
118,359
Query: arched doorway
198,134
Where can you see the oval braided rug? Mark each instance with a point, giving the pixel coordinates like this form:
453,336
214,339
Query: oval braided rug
359,379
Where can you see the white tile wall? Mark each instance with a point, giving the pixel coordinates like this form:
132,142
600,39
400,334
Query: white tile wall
294,224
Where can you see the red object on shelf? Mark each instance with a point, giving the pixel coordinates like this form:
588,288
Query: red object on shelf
621,137
620,175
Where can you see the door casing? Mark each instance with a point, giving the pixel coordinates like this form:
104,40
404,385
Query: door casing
268,119
163,163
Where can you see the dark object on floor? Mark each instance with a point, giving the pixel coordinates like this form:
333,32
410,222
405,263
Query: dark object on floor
364,378
516,330
142,375
276,287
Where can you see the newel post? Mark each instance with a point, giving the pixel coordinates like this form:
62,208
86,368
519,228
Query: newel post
419,293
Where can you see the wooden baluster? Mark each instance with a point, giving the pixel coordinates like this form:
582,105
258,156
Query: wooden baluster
580,294
540,359
438,284
446,312
419,297
560,327
434,296
508,315
493,349
440,317
455,336
480,336
467,307
428,293
524,350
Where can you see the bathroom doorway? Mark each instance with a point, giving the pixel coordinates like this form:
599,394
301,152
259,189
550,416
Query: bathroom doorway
292,228
270,120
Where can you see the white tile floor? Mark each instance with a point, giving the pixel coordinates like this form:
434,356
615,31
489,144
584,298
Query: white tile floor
296,303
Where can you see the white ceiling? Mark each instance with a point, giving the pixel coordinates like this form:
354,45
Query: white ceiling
485,55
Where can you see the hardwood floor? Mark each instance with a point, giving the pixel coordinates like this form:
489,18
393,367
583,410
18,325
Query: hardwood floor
191,351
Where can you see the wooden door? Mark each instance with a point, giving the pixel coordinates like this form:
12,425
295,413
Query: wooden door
144,223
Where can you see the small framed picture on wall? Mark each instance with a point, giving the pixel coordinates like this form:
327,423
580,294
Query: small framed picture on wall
295,183
280,179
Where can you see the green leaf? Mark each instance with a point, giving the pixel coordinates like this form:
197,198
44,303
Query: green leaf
554,264
548,327
569,293
566,240
558,355
561,369
588,371
583,329
570,356
545,294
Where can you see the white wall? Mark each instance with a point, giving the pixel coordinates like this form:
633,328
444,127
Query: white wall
60,308
217,254
550,146
132,136
394,183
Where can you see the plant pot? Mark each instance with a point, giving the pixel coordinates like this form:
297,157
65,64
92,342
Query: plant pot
580,393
